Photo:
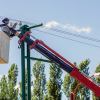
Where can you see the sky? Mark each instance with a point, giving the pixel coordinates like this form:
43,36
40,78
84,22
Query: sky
77,16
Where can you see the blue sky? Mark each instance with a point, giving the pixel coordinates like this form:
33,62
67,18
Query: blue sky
76,13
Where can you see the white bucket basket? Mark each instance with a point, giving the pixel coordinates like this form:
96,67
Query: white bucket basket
4,48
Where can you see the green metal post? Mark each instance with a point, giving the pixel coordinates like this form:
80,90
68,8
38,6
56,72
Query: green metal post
24,29
39,59
28,74
23,69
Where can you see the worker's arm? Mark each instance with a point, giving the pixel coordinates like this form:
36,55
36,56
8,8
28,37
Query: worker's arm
1,25
14,32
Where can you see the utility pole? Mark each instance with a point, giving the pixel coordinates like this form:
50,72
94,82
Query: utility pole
28,73
24,29
23,69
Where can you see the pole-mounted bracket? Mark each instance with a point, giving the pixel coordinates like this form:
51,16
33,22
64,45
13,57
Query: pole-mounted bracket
26,28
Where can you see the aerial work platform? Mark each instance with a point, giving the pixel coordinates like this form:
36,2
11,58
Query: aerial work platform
4,48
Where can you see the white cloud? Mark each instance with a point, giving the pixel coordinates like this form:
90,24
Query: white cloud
77,29
68,27
51,24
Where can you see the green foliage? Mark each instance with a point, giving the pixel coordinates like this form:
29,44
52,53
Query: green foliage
97,69
54,83
70,84
66,85
97,81
39,82
3,88
84,64
74,84
13,73
7,85
12,81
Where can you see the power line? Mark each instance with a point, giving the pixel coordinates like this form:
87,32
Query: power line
2,17
58,30
85,43
76,35
62,31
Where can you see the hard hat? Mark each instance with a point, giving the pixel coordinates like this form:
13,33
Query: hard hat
5,20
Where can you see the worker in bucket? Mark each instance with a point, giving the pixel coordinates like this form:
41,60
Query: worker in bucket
6,28
11,31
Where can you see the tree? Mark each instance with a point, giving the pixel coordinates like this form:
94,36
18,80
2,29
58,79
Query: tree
3,88
97,79
12,81
54,83
72,85
98,71
67,85
39,82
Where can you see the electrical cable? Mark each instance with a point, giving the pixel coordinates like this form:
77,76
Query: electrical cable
2,17
76,35
64,32
60,31
85,43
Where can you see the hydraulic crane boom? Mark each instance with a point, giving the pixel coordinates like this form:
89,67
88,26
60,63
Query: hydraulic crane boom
42,48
